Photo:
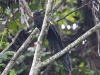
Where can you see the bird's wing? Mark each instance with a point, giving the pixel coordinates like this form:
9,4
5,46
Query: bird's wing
54,33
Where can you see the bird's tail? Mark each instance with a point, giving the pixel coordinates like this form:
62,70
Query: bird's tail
65,59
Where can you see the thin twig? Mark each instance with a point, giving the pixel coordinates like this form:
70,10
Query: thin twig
73,11
23,17
13,40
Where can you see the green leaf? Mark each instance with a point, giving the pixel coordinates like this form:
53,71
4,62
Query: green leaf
68,0
43,58
17,15
18,23
77,13
1,46
33,7
6,44
13,26
71,18
2,65
21,59
46,43
89,72
82,64
12,72
3,56
68,32
10,53
60,22
4,32
0,60
14,5
75,71
57,68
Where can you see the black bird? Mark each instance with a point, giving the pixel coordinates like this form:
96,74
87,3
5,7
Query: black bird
22,36
53,37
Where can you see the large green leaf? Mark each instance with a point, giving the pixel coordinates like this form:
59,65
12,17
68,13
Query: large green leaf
12,72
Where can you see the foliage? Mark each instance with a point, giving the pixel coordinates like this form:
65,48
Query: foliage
70,28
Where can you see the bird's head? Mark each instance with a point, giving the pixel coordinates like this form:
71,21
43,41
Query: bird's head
37,13
38,18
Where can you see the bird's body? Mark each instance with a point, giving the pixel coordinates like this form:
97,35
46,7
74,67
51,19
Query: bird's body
53,37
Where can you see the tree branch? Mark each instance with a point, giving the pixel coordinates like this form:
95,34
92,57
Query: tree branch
24,5
13,40
18,53
62,52
74,11
37,56
57,5
80,39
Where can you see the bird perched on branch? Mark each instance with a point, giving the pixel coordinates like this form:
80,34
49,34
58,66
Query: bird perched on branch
53,37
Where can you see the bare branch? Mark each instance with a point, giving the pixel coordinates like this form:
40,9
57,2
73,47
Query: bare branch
62,52
57,5
23,17
34,70
80,39
18,53
13,40
25,6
